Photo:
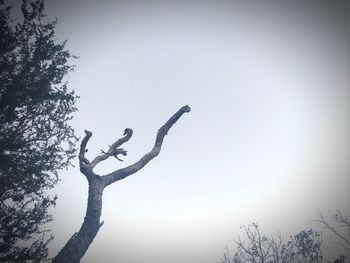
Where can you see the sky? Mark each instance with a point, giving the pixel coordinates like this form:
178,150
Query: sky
266,140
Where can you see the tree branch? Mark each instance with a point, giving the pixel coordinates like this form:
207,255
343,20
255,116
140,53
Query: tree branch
131,169
324,222
83,150
84,163
113,149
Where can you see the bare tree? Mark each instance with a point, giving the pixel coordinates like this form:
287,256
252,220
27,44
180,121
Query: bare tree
78,244
339,225
258,248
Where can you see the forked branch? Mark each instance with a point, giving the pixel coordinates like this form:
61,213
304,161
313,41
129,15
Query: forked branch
131,169
113,149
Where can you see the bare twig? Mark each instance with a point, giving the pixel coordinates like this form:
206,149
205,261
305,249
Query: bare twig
333,229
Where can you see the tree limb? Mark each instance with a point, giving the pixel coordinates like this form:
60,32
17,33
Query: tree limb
83,150
131,169
84,163
113,149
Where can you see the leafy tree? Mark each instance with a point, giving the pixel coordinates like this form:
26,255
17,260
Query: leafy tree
78,244
302,247
35,138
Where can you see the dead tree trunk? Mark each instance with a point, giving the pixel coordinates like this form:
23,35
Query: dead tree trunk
78,244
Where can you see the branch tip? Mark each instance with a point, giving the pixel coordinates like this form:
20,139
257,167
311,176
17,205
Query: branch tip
128,131
186,108
88,133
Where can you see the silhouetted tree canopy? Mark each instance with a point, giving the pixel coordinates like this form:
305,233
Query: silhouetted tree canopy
260,248
36,139
306,246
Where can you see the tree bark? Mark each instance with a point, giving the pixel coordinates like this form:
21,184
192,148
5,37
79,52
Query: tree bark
78,244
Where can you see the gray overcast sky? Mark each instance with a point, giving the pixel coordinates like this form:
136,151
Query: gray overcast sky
267,139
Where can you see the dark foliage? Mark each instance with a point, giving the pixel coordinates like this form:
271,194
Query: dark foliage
35,137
